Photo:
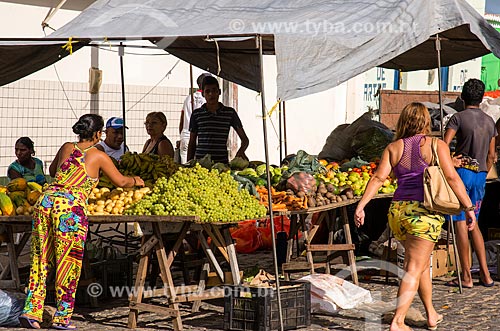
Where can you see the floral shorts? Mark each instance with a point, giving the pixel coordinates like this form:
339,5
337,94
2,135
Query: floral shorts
411,217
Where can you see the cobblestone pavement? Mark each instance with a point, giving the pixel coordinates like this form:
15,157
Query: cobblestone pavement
475,309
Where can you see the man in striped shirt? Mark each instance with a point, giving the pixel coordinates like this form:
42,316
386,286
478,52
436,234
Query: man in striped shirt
210,124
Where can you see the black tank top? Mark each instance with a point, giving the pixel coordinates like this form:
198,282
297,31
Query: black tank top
155,148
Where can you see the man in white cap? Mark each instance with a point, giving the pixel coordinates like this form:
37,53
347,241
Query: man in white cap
113,144
187,110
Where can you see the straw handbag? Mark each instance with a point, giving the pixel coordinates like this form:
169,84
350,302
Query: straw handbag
438,195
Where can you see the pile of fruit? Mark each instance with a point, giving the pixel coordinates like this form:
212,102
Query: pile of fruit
18,197
355,178
282,200
209,194
103,201
147,166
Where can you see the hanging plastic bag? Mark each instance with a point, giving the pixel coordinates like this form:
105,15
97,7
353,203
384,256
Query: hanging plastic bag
247,238
265,230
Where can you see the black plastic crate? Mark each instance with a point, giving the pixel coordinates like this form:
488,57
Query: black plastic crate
254,308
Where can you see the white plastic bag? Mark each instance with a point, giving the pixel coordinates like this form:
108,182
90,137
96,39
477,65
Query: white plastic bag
330,293
491,107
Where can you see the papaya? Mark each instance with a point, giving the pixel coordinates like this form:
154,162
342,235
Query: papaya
18,184
15,194
18,198
33,196
35,186
6,205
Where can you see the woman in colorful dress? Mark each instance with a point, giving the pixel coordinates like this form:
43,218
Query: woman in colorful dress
158,143
26,166
60,221
411,223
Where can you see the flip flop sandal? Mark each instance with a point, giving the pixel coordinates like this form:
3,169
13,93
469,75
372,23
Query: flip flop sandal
487,285
68,326
434,328
454,283
28,323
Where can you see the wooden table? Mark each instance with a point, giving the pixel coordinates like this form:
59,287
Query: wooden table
327,214
154,228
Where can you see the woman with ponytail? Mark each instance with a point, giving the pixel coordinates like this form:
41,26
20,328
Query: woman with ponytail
60,221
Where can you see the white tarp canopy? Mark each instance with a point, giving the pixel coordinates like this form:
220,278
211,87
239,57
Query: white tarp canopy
318,44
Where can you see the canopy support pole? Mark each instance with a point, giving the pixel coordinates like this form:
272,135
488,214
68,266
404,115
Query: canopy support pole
121,53
438,50
284,129
280,131
269,180
191,93
450,222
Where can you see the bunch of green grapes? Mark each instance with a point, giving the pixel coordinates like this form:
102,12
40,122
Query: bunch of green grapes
212,196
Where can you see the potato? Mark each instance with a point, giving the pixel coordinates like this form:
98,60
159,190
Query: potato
98,195
99,208
104,190
108,208
115,211
100,203
95,190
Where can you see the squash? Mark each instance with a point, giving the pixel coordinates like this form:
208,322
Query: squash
3,189
18,184
33,196
6,205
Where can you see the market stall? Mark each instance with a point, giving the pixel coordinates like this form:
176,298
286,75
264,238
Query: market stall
236,55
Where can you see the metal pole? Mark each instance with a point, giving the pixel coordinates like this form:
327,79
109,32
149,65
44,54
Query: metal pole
284,129
191,90
269,181
451,225
280,133
438,49
121,53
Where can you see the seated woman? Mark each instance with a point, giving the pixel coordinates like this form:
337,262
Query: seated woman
158,143
26,166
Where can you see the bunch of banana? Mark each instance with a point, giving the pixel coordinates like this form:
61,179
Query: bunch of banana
148,167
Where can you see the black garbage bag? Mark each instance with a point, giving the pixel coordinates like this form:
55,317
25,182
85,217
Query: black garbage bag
364,137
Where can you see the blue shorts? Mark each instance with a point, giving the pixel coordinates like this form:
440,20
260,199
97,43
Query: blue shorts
475,183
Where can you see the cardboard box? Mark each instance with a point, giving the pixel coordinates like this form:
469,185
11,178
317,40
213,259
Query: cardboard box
493,234
441,264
